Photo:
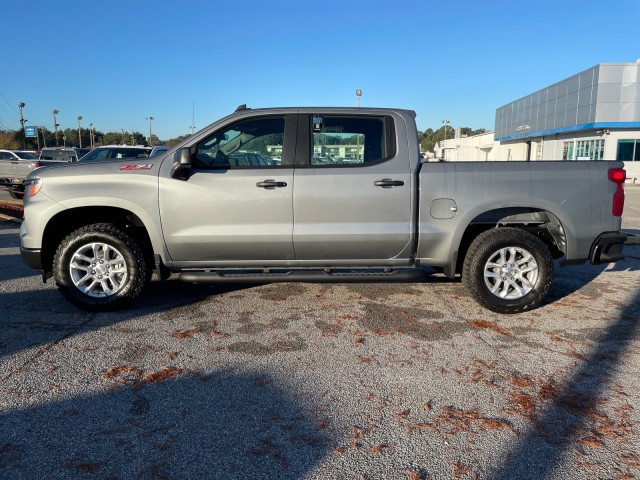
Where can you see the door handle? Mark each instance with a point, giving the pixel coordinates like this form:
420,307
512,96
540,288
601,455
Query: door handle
388,183
271,184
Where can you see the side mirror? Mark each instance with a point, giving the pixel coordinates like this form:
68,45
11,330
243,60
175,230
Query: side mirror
181,164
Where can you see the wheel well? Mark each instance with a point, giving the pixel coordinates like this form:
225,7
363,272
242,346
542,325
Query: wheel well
67,221
541,223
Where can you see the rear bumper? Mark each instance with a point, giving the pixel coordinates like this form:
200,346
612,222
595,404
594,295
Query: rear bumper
31,257
607,248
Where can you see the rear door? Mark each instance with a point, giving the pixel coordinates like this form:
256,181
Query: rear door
352,192
234,208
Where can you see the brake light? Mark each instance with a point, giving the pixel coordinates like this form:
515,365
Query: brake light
618,175
37,165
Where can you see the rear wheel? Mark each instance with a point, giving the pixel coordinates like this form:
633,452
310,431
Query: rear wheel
99,267
508,270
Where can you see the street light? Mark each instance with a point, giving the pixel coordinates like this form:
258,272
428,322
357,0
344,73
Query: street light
358,94
55,125
150,120
91,135
22,122
79,136
445,123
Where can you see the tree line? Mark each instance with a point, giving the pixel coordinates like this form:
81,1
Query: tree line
430,137
15,139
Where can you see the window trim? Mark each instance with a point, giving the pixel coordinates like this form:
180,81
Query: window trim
304,146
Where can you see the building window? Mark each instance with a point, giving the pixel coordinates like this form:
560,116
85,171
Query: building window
589,150
628,150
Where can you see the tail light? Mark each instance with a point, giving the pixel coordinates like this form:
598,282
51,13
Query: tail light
37,165
618,176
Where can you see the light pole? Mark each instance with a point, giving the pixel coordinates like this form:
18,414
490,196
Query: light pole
55,125
150,120
445,123
91,135
358,94
22,121
79,136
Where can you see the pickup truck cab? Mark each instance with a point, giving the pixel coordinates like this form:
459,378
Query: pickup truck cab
350,200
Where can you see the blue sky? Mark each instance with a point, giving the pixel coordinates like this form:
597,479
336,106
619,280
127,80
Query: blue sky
117,62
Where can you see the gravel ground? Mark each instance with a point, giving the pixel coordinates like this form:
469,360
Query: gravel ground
303,381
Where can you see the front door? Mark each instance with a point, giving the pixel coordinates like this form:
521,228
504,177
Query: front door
236,204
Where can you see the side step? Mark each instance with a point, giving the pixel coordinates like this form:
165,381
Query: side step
309,276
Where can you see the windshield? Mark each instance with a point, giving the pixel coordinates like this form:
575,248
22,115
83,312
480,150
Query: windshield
109,153
26,155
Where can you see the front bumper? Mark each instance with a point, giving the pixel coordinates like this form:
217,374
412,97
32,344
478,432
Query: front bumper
31,257
607,248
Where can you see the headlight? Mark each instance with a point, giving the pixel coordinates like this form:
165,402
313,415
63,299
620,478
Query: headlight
32,186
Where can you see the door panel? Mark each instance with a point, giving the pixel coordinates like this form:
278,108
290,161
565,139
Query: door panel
222,215
353,201
236,203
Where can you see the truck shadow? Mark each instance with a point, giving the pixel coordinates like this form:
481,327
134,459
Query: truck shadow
198,425
573,405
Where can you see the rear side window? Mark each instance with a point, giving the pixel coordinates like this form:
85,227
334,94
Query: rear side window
351,140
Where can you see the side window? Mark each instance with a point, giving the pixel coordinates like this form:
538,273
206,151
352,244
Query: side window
345,140
252,143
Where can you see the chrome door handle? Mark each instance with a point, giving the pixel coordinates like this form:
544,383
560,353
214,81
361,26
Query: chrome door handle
271,184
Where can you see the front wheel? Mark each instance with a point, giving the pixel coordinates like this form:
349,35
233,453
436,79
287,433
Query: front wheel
99,267
508,270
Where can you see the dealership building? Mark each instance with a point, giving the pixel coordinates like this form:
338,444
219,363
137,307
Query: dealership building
593,115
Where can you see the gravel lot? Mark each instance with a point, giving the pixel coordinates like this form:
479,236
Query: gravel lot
303,381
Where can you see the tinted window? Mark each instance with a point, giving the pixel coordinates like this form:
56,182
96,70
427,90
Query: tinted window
249,143
344,140
108,153
59,155
26,155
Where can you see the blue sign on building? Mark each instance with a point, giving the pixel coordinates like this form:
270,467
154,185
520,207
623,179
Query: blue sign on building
29,131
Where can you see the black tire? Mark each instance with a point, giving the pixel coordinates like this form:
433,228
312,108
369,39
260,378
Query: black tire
508,270
16,195
117,277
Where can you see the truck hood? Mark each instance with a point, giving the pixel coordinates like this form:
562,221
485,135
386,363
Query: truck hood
121,166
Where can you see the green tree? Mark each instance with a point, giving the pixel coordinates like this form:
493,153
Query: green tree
10,140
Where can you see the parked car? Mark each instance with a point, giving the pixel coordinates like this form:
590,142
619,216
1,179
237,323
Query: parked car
111,152
62,154
15,165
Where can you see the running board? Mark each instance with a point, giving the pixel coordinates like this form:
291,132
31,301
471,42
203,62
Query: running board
309,276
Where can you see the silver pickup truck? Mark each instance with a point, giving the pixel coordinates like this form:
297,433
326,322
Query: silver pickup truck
317,195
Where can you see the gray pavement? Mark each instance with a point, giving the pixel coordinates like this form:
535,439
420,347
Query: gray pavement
304,381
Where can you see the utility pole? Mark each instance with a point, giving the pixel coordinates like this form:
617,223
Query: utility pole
22,120
150,120
55,125
91,135
79,135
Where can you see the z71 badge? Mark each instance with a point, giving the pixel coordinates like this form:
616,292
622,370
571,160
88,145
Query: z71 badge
131,166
